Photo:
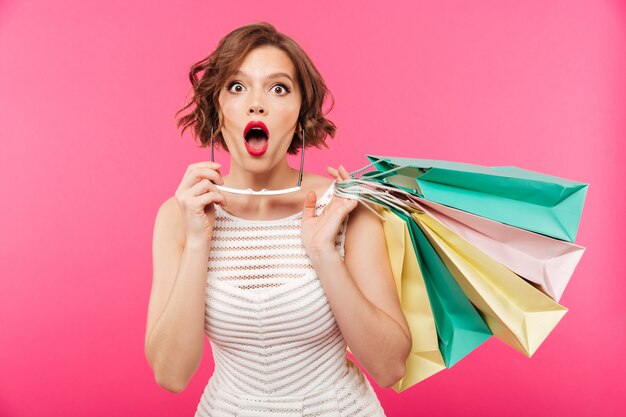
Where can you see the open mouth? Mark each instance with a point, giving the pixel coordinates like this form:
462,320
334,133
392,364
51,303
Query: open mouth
257,137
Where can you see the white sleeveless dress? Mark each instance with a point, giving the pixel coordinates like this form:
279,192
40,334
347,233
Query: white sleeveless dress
277,348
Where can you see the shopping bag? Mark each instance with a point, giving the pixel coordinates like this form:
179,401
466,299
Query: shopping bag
460,328
525,199
425,358
516,312
543,260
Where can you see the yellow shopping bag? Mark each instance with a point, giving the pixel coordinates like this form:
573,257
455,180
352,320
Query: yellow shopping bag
516,312
425,359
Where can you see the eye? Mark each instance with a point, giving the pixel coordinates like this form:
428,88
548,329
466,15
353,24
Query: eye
280,89
236,87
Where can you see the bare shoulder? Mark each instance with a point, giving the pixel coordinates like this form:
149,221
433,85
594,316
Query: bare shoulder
364,233
317,183
364,219
170,221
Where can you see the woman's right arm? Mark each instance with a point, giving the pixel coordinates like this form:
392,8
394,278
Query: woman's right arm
181,244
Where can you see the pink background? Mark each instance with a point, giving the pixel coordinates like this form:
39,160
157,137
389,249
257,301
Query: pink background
88,91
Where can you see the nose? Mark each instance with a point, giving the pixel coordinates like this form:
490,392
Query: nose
256,108
256,105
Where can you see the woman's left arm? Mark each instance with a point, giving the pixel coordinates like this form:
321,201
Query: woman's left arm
360,289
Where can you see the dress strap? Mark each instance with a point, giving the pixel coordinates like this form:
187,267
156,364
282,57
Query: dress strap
327,196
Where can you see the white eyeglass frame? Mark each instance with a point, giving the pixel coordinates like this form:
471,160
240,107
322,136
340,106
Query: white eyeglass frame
264,191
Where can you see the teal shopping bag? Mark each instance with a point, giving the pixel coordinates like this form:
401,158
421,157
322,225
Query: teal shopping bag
521,198
460,328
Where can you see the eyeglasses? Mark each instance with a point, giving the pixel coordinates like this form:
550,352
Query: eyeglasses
250,191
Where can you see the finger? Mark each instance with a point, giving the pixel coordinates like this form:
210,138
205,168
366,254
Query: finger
201,187
336,212
212,197
340,203
195,174
351,204
344,209
207,164
308,209
345,175
198,166
211,174
214,166
332,171
332,208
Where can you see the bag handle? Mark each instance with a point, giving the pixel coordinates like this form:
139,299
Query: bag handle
372,192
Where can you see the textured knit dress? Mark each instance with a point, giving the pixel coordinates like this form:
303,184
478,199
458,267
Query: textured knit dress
277,348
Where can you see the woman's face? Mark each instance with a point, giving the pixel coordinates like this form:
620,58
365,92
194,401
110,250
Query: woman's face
259,105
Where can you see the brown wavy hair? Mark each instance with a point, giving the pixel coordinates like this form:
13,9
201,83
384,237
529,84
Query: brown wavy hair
225,61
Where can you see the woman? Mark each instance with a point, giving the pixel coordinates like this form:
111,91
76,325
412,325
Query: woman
290,280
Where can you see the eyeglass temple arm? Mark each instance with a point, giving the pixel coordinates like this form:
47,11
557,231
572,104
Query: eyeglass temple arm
301,161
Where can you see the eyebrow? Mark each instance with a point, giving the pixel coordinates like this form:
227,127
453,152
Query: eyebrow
271,76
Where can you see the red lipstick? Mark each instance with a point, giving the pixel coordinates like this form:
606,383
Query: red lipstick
258,124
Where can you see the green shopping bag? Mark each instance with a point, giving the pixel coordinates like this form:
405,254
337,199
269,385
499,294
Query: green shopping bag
529,200
460,328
